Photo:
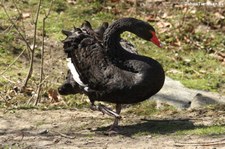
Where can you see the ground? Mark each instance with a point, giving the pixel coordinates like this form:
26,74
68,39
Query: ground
193,53
83,128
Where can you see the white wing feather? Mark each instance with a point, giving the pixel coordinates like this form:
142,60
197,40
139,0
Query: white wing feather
75,74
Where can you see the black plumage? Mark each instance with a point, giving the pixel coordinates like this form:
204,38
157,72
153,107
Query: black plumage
110,72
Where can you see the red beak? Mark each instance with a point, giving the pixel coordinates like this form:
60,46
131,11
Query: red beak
155,40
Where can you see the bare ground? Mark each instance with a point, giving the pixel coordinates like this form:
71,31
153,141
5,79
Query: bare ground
83,128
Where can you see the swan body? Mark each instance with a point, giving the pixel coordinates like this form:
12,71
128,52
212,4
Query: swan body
107,68
113,74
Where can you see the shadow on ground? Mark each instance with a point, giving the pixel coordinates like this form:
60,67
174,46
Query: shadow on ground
150,126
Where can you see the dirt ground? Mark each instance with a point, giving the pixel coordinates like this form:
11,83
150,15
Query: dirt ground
83,128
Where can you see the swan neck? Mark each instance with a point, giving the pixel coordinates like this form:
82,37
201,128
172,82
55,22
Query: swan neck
112,37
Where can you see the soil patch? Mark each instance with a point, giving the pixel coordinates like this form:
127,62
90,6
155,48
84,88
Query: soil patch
83,128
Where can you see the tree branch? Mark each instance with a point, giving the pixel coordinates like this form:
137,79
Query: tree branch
29,74
42,54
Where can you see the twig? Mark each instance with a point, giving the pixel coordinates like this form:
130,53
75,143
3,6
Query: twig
32,97
43,80
64,135
13,62
29,74
29,100
6,30
135,6
2,97
217,142
9,80
20,13
15,26
182,22
42,54
19,32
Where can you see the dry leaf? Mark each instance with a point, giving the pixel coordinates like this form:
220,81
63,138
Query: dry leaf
73,2
116,11
174,71
25,15
221,54
219,16
115,1
163,26
165,15
53,95
130,1
151,18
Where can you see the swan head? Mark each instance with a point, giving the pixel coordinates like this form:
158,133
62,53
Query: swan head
146,32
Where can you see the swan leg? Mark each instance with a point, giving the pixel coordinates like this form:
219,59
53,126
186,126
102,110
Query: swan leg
106,110
116,121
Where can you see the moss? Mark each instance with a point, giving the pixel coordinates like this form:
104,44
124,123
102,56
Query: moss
203,130
78,101
149,108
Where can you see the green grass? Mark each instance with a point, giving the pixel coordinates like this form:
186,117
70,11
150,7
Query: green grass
177,129
203,130
75,16
151,126
168,120
190,64
143,108
149,108
200,72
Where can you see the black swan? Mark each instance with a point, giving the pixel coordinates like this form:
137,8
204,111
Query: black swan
105,71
